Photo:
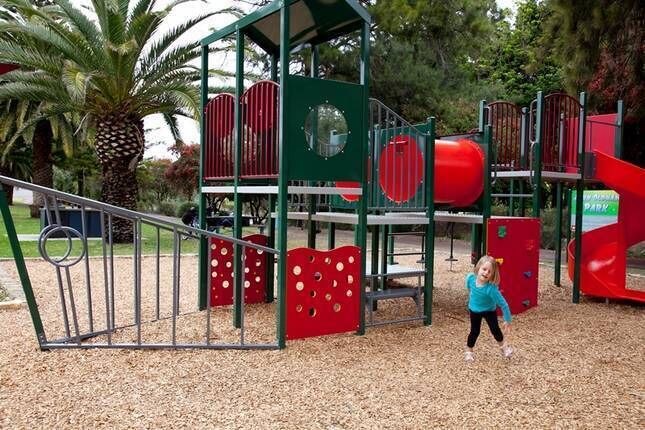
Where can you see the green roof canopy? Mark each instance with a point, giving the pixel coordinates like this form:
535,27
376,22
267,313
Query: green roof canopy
312,21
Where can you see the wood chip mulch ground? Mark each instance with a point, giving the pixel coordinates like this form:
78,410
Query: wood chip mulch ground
575,366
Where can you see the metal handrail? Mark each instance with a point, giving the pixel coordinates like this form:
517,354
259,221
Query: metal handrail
395,115
127,213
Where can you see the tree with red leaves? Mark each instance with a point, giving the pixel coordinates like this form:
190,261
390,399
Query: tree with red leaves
183,174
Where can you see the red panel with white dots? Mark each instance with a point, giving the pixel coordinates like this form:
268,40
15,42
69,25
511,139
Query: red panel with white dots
222,281
322,291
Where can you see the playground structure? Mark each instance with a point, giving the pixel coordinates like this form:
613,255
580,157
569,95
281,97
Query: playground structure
305,139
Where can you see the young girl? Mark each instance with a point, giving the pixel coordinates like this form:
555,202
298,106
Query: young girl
484,297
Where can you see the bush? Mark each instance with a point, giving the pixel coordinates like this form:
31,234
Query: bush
182,208
167,208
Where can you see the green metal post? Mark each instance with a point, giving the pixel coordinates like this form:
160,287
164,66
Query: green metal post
475,242
524,150
482,115
390,247
274,67
284,174
486,206
311,225
568,194
22,269
204,281
430,208
272,203
618,138
375,248
375,254
580,186
271,257
361,238
522,204
511,201
237,232
384,236
558,235
537,156
331,235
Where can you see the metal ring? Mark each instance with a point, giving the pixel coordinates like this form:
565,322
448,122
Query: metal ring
55,228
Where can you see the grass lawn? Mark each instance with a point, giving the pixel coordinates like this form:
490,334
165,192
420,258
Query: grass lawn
26,225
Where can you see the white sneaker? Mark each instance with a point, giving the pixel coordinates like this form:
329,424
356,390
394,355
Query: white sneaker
507,351
469,356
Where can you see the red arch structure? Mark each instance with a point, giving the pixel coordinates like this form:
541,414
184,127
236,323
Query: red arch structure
259,107
259,156
505,119
219,150
561,115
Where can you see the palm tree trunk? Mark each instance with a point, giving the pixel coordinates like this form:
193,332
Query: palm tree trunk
42,167
119,147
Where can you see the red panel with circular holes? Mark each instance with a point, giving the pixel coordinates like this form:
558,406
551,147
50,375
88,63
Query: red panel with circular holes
222,281
401,168
322,291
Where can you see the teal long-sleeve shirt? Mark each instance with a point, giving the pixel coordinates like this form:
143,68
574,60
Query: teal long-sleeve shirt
485,298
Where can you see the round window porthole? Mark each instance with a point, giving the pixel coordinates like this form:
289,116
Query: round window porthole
326,130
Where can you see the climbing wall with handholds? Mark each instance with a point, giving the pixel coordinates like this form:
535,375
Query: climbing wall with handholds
222,277
322,291
515,244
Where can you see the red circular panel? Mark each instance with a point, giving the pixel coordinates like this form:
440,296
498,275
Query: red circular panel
261,106
400,168
352,184
348,184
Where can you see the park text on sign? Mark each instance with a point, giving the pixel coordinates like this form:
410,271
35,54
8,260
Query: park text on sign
600,208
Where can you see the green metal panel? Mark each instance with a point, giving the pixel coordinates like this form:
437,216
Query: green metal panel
204,279
304,95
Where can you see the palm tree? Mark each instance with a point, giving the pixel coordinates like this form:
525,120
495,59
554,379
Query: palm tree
109,64
15,153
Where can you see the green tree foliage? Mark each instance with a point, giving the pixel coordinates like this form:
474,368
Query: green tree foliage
519,61
600,47
422,57
154,185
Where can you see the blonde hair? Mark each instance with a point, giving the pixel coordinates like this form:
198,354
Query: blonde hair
494,268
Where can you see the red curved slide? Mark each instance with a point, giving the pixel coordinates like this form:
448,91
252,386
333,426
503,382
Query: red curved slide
603,259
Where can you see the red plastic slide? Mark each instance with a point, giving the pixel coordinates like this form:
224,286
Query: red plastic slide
603,265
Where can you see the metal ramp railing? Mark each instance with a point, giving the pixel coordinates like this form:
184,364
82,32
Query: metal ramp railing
95,293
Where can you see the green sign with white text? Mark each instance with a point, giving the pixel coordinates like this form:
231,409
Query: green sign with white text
600,208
